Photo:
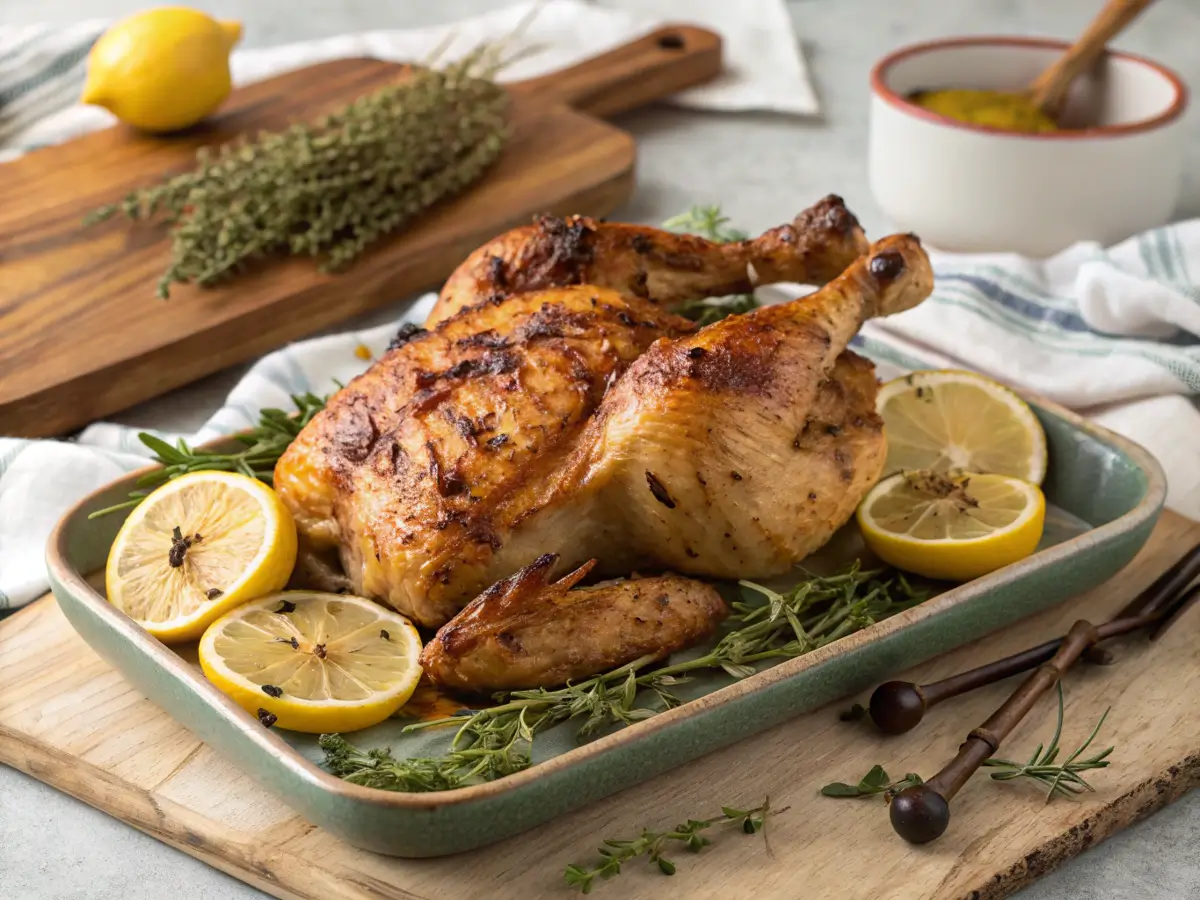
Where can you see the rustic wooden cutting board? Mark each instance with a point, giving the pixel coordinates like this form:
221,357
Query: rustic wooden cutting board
82,334
71,721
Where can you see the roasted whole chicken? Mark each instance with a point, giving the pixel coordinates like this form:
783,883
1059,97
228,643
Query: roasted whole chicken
555,406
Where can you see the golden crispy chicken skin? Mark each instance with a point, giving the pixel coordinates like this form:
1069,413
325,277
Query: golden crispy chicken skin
590,424
528,631
657,265
402,467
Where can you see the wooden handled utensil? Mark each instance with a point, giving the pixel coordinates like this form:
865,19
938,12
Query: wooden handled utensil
899,706
1049,90
921,813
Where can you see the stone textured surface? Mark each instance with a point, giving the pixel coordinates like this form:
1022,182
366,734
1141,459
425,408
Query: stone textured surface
761,168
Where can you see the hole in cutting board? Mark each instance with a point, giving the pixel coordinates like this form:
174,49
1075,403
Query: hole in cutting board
671,42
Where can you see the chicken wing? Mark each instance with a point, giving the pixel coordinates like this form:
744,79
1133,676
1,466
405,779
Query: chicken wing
528,631
660,266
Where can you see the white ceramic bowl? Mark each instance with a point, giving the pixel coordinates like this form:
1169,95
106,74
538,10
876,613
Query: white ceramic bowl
975,188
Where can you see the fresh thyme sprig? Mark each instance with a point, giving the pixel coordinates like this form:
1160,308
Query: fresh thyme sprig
708,222
263,445
332,187
653,844
1062,780
495,742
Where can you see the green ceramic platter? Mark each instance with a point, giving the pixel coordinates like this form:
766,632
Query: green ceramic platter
1105,495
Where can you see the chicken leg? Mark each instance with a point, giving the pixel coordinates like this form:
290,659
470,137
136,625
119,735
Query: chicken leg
659,266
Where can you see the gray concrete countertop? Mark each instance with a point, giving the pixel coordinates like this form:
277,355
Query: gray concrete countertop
762,169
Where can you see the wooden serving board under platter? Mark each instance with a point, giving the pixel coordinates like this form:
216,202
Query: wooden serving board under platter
71,721
82,334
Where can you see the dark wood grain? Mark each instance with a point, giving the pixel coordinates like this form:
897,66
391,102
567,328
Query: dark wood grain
82,334
68,719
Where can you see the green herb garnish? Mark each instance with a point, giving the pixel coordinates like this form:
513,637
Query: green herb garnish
653,844
876,781
330,188
263,445
708,222
1062,780
495,742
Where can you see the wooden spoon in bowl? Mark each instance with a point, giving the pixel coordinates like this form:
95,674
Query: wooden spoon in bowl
1049,90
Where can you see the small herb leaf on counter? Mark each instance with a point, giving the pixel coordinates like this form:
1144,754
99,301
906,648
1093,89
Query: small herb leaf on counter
876,781
653,844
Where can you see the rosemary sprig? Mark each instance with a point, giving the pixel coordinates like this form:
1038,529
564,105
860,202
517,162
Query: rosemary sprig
1062,780
262,447
653,844
708,222
495,742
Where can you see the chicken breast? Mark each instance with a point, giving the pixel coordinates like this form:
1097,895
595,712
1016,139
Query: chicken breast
528,631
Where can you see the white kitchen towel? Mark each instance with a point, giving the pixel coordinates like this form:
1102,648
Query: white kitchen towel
1073,328
42,67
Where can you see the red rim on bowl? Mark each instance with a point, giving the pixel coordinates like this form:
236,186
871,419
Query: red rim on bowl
880,88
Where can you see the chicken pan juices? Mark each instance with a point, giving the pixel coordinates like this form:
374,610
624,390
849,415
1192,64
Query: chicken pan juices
557,478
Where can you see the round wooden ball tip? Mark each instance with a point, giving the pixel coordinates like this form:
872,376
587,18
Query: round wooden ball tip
919,814
897,707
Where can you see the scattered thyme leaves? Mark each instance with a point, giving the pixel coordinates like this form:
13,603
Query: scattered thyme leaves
654,844
266,719
855,713
876,781
272,690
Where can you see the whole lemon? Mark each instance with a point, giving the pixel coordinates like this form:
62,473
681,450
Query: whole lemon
162,69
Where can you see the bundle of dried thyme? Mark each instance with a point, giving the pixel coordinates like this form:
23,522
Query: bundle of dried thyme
330,188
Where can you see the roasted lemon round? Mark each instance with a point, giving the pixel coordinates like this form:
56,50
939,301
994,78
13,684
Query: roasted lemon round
314,662
955,527
953,421
197,547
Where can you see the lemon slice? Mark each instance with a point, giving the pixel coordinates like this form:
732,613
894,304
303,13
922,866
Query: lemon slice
315,662
952,421
952,527
197,547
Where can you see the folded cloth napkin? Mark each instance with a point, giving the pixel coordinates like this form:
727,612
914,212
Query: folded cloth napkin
1112,332
42,67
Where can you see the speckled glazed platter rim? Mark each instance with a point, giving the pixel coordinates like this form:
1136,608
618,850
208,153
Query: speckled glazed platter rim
68,579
